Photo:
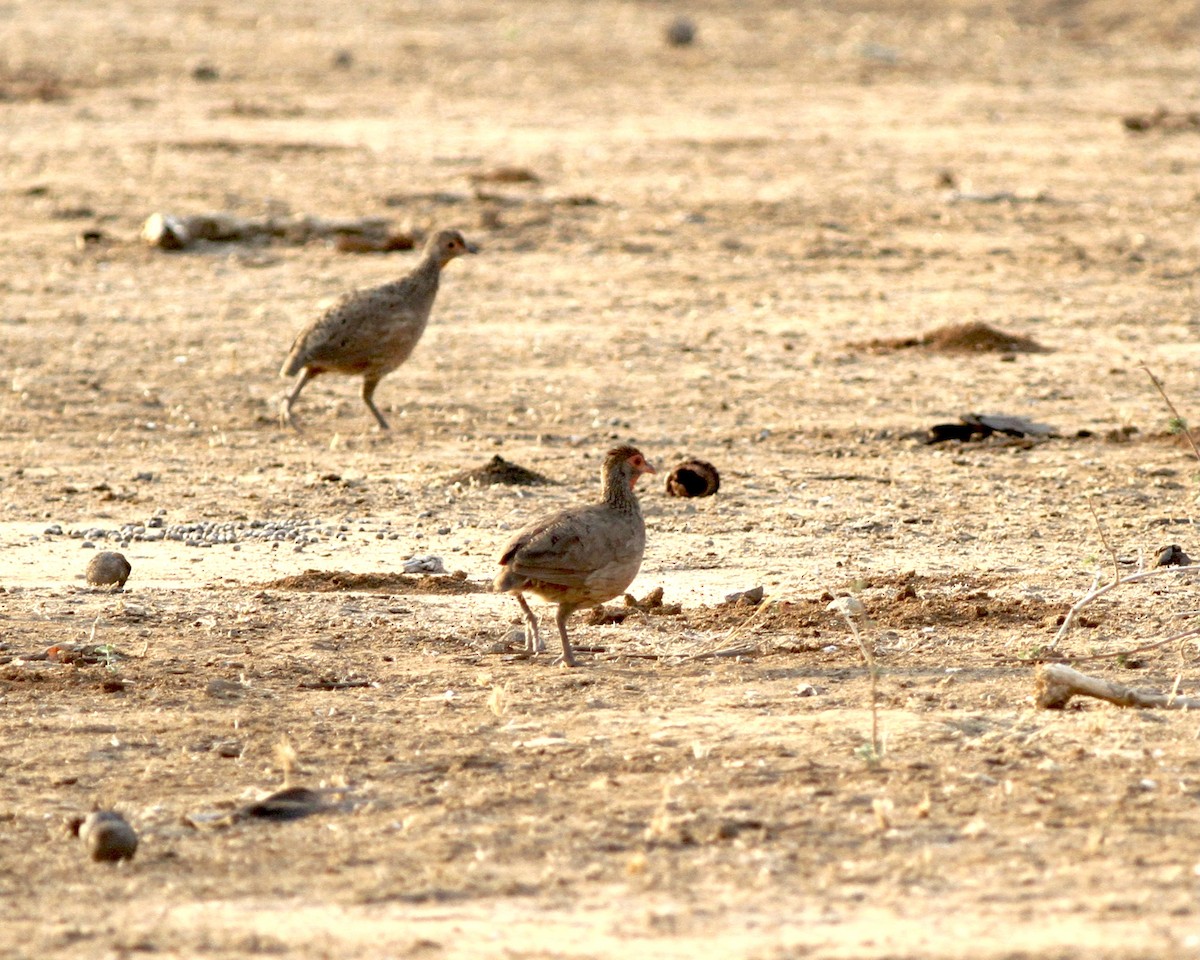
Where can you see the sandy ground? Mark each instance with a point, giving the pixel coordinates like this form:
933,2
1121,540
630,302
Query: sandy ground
718,237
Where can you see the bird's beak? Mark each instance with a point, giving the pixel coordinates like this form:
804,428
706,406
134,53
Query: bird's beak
648,468
472,248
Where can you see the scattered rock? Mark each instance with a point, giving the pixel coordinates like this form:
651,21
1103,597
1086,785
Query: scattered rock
746,598
170,232
652,603
975,427
31,83
221,689
424,564
504,175
601,615
1172,556
292,803
107,569
370,243
331,581
165,232
205,73
90,238
87,654
1163,121
997,196
693,478
499,471
1123,434
202,533
681,32
108,836
342,60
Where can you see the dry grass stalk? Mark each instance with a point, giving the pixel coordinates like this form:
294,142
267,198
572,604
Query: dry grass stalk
1177,418
852,610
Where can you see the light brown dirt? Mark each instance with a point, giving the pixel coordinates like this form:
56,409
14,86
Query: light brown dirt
708,233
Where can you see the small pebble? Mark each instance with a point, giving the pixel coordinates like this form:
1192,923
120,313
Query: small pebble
205,73
1172,556
165,232
108,837
681,32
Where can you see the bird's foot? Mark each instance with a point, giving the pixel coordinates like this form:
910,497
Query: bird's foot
286,419
534,644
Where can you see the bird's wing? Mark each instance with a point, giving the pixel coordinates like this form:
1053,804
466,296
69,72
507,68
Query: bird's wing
327,337
569,547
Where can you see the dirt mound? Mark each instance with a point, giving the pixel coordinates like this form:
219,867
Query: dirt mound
902,601
499,470
960,338
334,581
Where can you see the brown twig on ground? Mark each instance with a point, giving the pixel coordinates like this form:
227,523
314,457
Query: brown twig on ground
1057,683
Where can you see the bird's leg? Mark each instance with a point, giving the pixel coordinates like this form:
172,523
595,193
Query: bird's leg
533,640
564,611
285,407
368,394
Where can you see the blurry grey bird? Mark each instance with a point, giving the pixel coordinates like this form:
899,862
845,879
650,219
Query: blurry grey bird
370,333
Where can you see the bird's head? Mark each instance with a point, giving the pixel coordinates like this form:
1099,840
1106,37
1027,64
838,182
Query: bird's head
629,460
448,244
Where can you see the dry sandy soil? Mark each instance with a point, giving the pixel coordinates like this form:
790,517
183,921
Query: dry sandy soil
720,239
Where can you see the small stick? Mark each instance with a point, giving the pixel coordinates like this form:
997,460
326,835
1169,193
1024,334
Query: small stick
1104,539
1098,591
1174,411
1057,683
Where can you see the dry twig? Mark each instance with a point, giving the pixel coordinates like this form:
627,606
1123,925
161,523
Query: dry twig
1098,591
1174,410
